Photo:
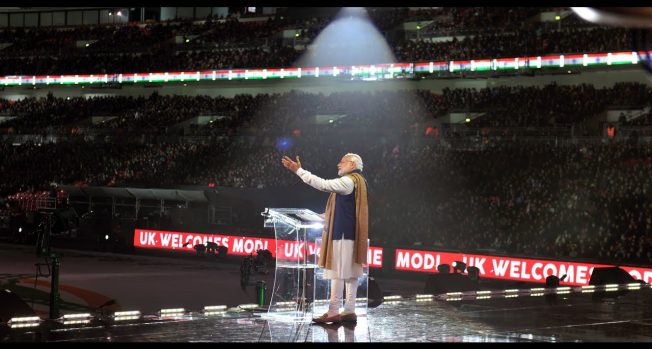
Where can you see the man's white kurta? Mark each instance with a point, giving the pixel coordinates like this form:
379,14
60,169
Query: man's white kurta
342,262
343,265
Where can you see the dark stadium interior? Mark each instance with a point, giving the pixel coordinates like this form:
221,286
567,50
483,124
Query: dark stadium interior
522,133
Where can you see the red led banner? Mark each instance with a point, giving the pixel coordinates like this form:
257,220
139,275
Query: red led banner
237,245
495,267
498,267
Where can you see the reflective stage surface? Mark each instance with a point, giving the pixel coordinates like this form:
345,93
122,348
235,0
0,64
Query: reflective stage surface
572,317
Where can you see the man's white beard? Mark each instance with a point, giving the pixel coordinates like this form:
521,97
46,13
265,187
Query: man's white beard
340,173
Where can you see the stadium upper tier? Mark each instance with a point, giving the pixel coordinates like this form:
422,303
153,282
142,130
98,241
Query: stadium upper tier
442,36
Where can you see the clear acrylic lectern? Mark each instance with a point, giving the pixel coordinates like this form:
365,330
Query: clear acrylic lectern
296,230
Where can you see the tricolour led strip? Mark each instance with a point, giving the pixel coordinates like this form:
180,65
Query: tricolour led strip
599,59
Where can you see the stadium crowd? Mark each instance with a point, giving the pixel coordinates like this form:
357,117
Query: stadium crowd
555,199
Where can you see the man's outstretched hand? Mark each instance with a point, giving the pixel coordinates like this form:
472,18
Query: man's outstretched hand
291,165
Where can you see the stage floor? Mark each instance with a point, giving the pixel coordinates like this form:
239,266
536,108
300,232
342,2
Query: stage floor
574,317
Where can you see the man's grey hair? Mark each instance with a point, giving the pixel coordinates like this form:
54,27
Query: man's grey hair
357,160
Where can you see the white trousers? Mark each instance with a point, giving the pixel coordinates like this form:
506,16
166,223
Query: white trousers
337,288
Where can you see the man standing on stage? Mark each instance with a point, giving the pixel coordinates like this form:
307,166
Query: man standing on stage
344,239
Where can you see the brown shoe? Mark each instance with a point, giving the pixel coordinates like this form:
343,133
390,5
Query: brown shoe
325,318
348,317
